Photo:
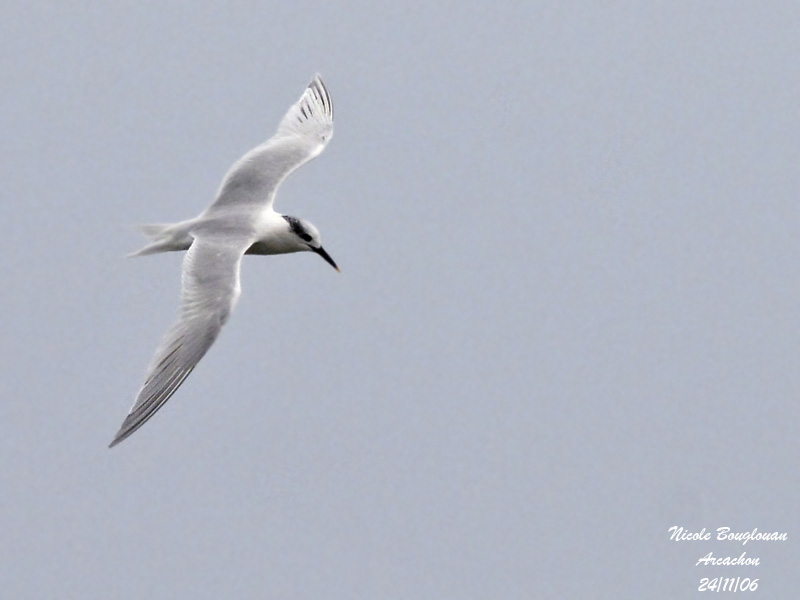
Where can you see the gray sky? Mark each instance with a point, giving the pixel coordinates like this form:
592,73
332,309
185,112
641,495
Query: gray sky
566,321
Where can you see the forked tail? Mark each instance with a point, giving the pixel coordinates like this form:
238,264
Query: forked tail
165,238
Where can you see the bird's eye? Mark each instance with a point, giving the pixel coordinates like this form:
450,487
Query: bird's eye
305,237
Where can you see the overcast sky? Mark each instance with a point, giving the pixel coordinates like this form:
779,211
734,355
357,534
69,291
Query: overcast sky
567,318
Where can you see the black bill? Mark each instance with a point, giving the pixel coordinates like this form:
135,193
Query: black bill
326,256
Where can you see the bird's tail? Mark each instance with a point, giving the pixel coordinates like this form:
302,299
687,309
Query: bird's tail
165,238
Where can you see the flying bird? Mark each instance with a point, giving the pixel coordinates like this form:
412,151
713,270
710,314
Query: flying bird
240,221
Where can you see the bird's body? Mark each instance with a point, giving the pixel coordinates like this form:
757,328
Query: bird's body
240,221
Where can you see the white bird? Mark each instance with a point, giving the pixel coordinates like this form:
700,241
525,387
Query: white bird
240,221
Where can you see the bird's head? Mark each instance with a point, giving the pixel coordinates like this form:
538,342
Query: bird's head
306,238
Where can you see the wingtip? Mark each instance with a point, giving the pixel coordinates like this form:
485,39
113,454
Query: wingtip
120,435
317,85
124,432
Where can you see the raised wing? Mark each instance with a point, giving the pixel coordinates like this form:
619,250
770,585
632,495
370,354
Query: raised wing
210,291
311,117
302,134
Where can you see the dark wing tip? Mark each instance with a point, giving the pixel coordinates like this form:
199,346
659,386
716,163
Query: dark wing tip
120,435
317,86
129,427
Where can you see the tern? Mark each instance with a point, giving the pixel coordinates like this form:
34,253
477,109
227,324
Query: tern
240,221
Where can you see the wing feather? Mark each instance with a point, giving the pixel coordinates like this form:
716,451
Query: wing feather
302,134
211,288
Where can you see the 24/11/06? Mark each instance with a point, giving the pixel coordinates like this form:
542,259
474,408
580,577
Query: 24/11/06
728,584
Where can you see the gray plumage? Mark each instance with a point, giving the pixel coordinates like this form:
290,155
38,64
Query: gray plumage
240,220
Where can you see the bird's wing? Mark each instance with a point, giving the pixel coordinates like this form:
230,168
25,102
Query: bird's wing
210,289
302,134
